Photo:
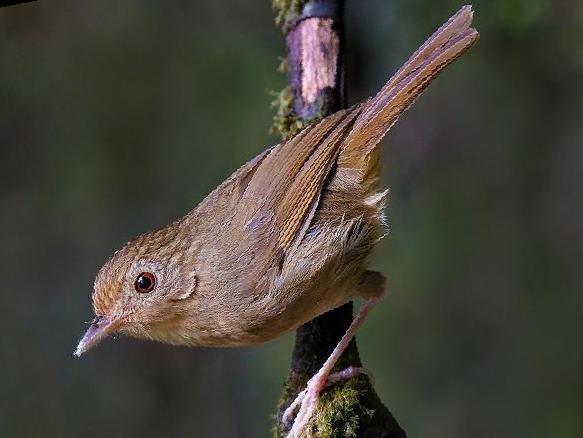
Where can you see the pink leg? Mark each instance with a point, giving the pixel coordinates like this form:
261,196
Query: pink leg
308,398
347,373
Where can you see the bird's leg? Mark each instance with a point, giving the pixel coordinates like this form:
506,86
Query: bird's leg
346,373
308,398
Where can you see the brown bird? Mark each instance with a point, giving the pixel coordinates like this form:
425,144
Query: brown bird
286,238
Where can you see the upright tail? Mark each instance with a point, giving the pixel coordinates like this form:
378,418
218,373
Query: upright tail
380,112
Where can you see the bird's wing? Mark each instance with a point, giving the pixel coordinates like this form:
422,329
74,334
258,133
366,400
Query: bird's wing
283,192
220,206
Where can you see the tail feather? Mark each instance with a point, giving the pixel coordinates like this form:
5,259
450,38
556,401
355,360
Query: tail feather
381,111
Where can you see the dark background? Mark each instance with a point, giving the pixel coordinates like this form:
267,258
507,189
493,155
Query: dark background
119,116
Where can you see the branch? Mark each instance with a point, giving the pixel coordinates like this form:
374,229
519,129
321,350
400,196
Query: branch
314,40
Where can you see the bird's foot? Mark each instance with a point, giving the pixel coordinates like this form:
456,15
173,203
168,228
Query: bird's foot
307,400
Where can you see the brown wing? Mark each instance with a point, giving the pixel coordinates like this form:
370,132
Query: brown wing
284,190
217,210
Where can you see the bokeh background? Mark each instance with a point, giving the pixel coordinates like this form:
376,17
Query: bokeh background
119,116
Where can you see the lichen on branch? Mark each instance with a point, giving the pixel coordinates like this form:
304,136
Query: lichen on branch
287,10
286,123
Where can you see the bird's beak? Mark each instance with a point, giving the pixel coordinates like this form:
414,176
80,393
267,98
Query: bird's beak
100,328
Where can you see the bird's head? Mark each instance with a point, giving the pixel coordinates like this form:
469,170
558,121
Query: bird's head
141,289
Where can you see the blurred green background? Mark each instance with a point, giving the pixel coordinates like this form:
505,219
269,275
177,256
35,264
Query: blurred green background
119,116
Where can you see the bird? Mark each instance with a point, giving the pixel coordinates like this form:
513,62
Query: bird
285,238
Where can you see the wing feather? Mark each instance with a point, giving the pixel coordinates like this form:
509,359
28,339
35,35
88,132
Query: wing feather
283,193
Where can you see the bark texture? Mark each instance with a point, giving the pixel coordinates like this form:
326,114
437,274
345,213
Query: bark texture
314,40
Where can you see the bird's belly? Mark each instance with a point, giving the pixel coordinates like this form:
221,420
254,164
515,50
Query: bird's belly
319,273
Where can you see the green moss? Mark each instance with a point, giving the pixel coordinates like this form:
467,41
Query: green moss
339,411
286,123
287,10
283,66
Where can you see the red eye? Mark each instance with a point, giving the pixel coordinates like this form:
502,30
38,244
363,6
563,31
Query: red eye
145,282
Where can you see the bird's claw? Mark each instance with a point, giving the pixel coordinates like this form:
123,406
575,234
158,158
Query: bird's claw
307,400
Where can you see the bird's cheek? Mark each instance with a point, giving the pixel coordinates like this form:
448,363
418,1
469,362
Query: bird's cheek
182,295
185,292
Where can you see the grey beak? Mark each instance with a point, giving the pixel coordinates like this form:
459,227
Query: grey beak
100,328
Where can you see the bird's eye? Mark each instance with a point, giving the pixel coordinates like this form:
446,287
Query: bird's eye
145,282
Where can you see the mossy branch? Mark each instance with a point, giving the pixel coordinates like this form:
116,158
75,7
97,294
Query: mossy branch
313,32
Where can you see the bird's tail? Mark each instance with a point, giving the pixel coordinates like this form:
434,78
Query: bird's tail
379,113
